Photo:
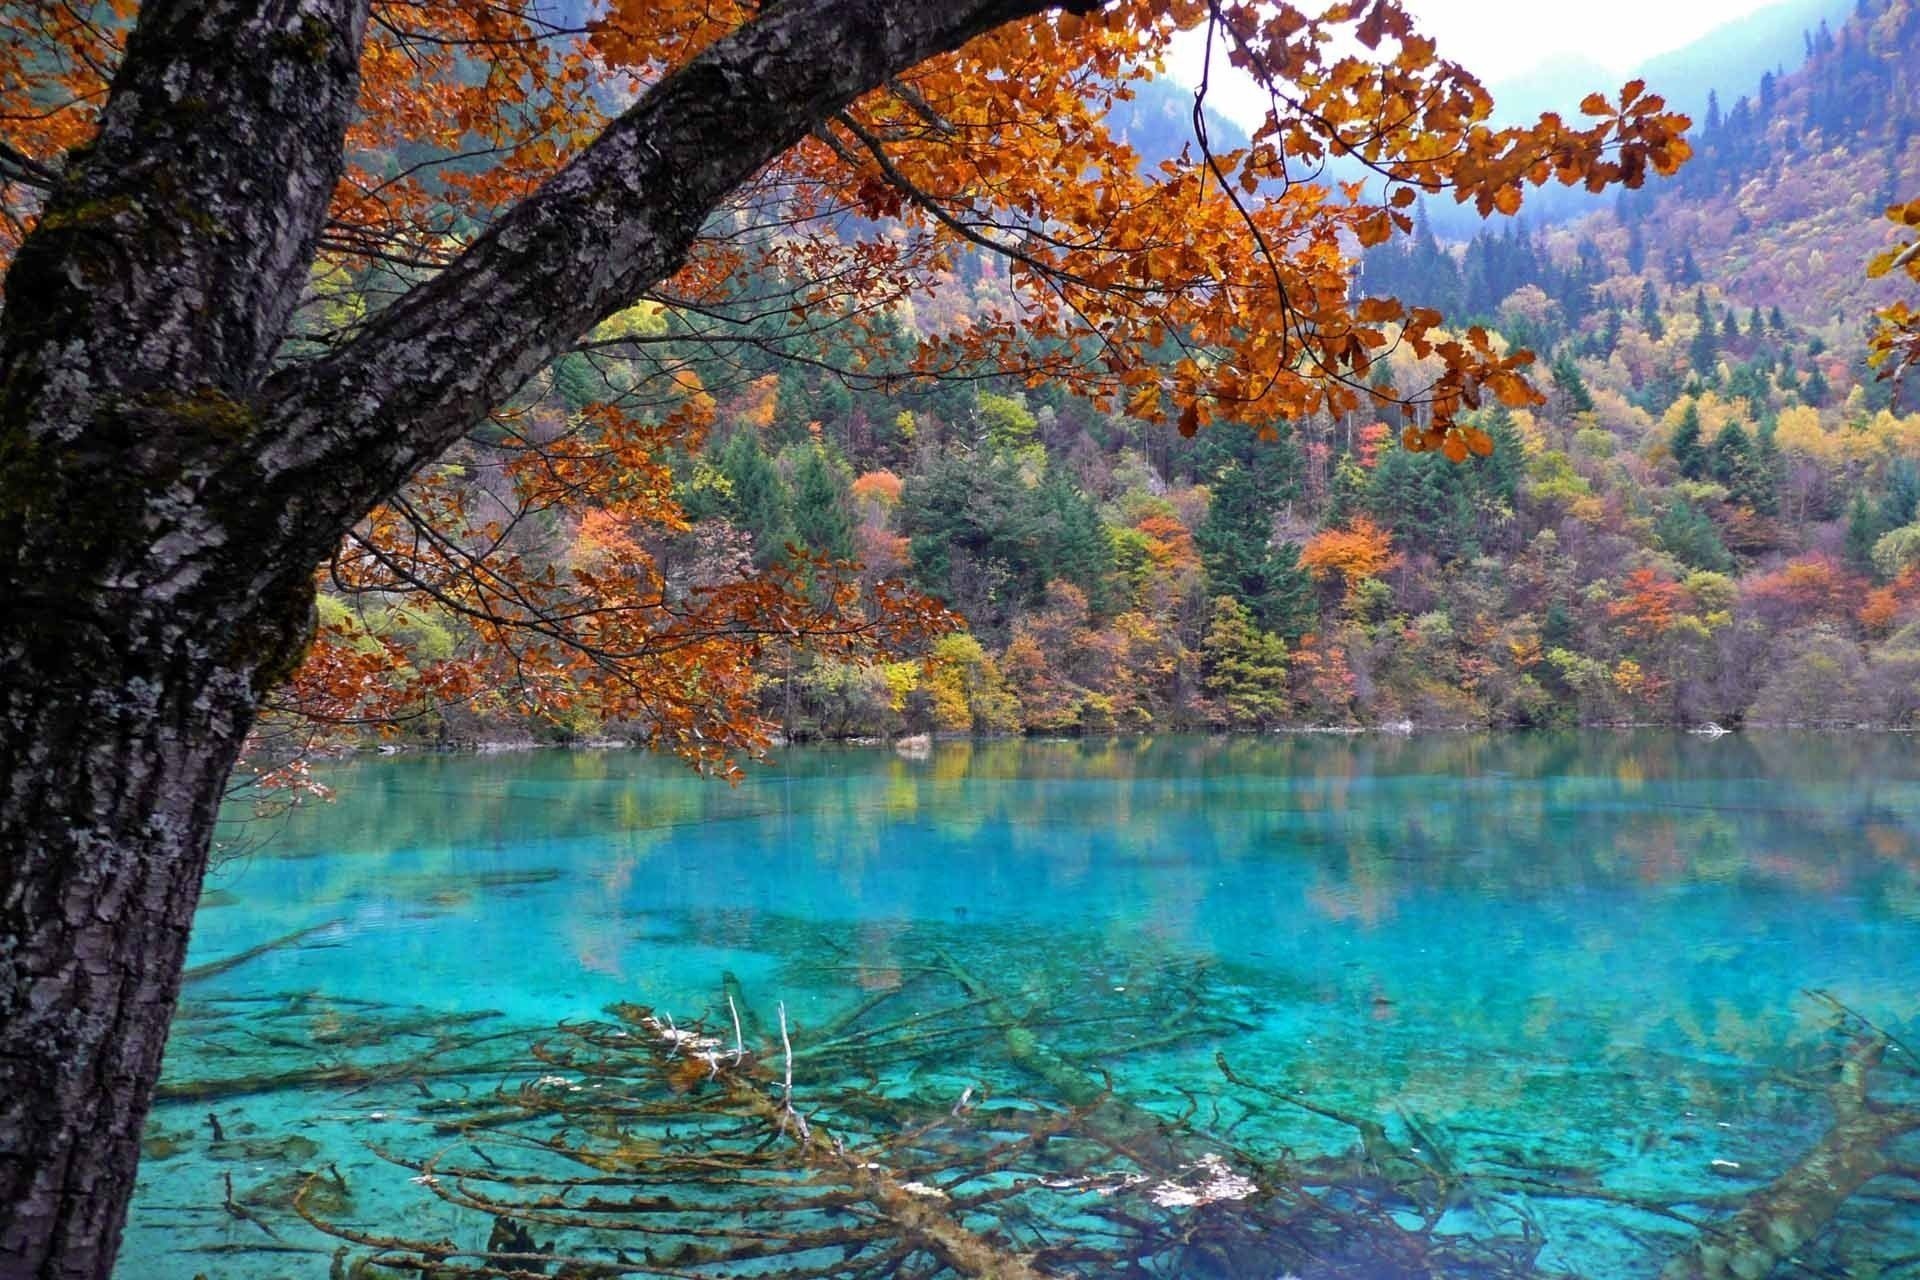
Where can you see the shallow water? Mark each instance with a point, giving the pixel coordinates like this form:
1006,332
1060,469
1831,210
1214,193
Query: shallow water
1573,971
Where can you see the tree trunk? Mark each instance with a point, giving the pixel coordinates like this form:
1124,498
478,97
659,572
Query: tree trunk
163,500
119,731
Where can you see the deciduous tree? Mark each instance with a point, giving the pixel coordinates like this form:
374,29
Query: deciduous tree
187,431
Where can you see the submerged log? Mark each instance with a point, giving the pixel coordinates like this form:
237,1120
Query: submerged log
914,1213
1785,1214
201,972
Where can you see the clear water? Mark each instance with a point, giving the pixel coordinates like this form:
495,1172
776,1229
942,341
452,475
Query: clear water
1576,970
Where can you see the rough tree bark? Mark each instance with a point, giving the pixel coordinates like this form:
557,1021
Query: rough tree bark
165,494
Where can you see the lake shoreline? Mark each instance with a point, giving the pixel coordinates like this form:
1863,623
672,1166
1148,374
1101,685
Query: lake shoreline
913,744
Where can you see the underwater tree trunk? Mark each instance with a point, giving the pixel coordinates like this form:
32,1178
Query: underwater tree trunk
1785,1214
165,495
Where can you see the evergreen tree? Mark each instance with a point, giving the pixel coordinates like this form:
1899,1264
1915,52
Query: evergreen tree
1609,333
822,524
1650,312
1501,470
1246,668
1689,536
792,407
757,501
1815,390
1636,249
1704,351
1734,459
1568,382
1689,455
1770,466
1864,528
1069,542
1901,502
1425,500
1236,549
1557,627
577,382
966,520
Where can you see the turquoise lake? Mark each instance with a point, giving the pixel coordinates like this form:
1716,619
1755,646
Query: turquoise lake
1525,1004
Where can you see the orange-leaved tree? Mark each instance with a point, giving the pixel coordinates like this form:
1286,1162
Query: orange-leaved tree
1359,551
1893,347
278,267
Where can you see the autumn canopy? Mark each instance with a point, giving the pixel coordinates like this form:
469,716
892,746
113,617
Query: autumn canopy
280,274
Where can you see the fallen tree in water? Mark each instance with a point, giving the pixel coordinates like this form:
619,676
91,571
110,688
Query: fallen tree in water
949,1124
650,1147
1783,1216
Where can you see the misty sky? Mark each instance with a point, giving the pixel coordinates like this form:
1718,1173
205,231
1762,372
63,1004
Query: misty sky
1501,39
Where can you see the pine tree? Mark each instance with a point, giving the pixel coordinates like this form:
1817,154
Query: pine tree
1901,502
1069,542
822,525
1246,668
1770,469
758,499
1650,312
1689,536
1704,351
1568,382
576,380
1236,549
1501,470
1864,528
1610,333
1689,455
1735,460
1815,390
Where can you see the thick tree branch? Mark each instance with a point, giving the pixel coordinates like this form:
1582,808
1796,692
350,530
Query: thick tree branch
180,237
345,431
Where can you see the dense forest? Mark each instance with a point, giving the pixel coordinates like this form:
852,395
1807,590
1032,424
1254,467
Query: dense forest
1712,520
706,375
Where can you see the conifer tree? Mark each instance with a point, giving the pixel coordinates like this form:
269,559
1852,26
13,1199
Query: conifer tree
1246,668
822,524
1237,551
1689,454
1650,312
757,501
1568,382
1864,528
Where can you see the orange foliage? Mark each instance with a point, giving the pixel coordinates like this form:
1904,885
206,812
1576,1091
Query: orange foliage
1650,604
1805,588
1169,542
1885,606
1361,550
759,402
877,491
1235,253
1323,683
1369,441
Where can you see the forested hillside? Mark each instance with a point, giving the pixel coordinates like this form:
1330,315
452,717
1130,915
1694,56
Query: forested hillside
1714,518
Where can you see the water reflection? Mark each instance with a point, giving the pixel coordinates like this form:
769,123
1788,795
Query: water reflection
1586,952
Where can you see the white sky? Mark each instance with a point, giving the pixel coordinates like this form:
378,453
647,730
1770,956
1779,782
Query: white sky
1498,39
1503,39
